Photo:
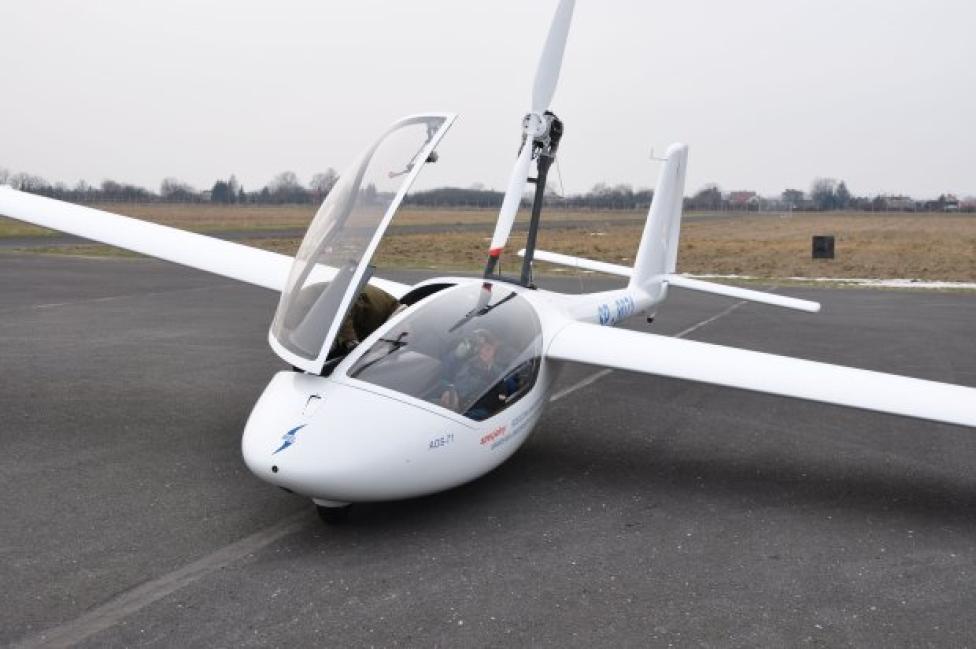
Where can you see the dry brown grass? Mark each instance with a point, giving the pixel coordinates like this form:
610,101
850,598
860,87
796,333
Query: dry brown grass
935,247
198,218
212,218
927,246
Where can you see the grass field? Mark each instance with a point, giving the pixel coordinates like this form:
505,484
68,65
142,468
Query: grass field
932,247
216,218
926,246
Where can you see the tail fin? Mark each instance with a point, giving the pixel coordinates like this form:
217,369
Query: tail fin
658,251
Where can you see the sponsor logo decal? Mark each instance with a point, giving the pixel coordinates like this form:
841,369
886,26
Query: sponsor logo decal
520,424
621,309
288,438
493,435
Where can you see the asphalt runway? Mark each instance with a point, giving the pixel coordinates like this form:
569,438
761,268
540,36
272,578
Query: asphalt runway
643,512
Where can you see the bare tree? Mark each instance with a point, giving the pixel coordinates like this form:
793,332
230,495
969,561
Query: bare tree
285,180
26,182
172,189
285,188
322,183
116,191
708,197
4,175
822,193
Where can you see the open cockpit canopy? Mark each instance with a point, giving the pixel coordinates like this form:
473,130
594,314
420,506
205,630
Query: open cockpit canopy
332,263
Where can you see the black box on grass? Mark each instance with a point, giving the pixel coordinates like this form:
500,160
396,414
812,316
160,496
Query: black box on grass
823,247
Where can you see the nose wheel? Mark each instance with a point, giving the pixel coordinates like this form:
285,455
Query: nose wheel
333,514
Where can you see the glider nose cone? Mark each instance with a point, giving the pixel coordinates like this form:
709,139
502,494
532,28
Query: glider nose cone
278,419
354,445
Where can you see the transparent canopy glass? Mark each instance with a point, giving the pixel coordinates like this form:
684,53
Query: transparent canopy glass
331,265
474,349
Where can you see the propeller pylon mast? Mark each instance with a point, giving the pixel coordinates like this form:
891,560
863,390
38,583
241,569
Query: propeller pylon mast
538,138
545,157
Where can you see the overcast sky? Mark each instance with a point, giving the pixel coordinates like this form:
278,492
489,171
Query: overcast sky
768,93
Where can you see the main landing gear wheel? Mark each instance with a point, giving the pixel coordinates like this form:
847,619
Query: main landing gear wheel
333,515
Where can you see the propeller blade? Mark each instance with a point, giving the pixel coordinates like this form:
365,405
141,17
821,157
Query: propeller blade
512,200
547,74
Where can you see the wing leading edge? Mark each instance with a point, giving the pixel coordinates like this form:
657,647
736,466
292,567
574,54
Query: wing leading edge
761,372
233,260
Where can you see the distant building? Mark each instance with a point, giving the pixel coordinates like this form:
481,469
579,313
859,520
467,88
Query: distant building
899,203
743,200
944,203
775,204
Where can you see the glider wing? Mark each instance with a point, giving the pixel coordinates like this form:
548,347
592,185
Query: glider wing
750,370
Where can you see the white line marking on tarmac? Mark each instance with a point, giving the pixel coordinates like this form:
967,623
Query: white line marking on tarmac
596,376
115,610
592,378
695,327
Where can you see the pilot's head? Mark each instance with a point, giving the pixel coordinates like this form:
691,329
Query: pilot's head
485,346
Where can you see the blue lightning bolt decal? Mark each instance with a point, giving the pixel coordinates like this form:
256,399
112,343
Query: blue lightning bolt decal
288,438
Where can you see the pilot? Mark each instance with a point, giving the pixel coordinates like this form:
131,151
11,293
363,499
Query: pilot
372,308
481,369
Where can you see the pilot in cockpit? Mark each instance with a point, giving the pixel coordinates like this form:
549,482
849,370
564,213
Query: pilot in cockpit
480,367
372,308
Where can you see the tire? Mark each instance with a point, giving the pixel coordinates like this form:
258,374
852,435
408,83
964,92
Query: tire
333,515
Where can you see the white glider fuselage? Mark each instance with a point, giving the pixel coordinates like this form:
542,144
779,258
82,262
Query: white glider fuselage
341,439
450,385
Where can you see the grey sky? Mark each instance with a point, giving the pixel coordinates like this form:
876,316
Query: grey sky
767,93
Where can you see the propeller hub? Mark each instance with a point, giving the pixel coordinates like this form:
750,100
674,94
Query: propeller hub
534,125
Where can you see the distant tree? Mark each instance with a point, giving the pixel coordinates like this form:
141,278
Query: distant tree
622,197
284,180
116,191
172,189
643,197
26,182
822,193
842,196
285,188
792,197
234,187
708,197
221,192
4,176
455,197
322,183
862,203
110,189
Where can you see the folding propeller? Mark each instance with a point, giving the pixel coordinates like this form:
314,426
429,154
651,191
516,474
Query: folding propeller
534,126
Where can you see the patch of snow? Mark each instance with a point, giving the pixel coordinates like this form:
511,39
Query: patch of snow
856,281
